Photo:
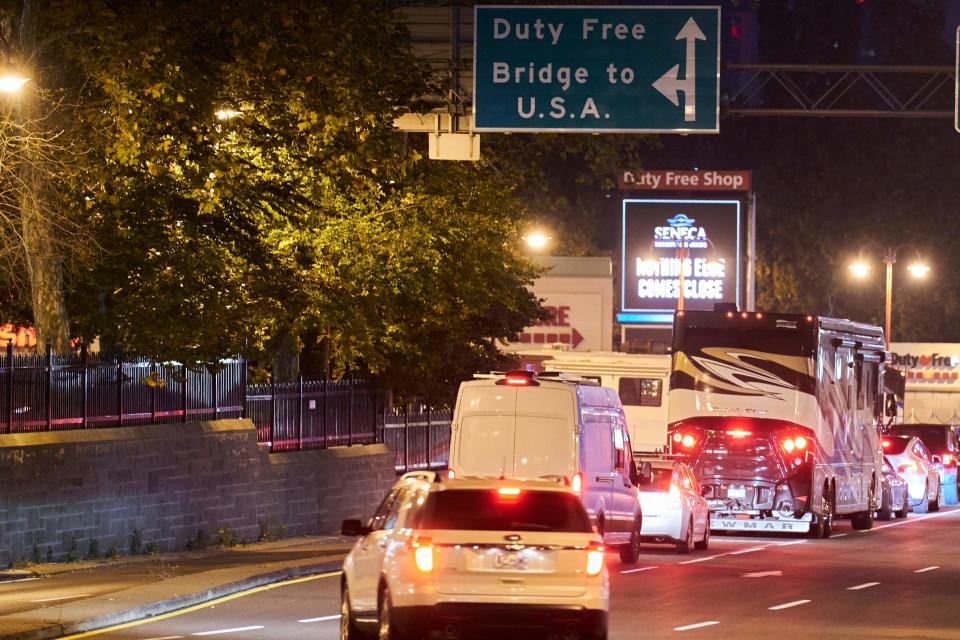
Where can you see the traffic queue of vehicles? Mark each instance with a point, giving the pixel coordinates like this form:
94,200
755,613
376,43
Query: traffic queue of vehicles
774,424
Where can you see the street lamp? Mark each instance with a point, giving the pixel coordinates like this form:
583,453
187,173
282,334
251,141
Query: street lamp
11,83
918,269
537,240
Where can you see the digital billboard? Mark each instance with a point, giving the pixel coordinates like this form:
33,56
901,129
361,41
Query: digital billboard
660,235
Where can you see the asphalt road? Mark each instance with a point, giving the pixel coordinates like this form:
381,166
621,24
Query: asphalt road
899,580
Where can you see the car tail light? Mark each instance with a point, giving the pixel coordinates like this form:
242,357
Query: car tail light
886,444
907,466
948,459
673,502
576,483
594,560
423,554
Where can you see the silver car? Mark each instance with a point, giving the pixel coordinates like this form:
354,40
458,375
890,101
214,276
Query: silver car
912,460
894,500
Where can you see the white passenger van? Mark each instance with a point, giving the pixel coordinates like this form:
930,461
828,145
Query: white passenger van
641,380
526,425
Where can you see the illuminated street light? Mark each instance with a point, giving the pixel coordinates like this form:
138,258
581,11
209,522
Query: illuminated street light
918,269
11,83
537,240
227,114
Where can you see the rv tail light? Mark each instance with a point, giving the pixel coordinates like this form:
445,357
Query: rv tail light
677,436
801,442
576,483
594,560
423,554
688,441
739,433
907,466
794,443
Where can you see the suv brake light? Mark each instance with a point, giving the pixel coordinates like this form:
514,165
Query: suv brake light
576,483
423,553
594,560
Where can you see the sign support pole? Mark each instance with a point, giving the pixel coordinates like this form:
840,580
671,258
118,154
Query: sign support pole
750,303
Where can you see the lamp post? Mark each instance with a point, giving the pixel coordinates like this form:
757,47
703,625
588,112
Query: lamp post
918,269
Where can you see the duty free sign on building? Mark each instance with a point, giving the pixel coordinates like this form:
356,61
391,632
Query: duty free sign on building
590,69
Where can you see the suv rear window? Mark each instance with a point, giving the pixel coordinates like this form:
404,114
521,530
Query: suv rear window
487,510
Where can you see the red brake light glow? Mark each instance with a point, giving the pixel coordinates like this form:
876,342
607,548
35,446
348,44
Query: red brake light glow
423,554
739,433
688,441
794,443
509,491
517,381
886,444
594,560
677,437
948,458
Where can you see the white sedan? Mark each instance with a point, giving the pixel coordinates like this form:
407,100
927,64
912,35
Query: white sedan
674,511
909,456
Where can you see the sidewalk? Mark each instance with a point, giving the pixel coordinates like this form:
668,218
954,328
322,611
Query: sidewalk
51,600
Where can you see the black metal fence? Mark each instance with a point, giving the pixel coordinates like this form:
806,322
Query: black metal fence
48,392
419,435
44,392
314,414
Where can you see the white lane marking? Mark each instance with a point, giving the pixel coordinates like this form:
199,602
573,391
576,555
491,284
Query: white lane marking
925,569
762,574
786,544
737,553
697,626
865,585
79,595
700,559
952,512
838,535
638,570
321,619
787,605
234,630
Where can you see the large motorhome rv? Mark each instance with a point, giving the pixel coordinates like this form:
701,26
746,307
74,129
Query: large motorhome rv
780,417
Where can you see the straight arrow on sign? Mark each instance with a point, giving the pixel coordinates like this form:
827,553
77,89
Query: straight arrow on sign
762,574
669,84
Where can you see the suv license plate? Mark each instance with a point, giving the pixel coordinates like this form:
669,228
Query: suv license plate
736,492
513,561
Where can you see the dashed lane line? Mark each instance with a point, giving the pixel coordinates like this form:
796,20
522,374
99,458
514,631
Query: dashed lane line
865,585
321,619
701,559
198,607
925,569
737,553
638,570
900,523
838,535
218,632
788,605
786,544
698,625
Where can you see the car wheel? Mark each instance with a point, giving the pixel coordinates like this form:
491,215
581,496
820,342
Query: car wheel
705,543
348,625
905,507
386,629
630,552
935,504
685,545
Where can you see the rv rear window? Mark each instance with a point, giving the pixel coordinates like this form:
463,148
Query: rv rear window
641,392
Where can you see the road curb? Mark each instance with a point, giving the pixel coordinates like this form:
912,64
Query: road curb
173,604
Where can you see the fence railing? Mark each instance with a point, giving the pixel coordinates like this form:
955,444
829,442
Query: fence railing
314,414
419,436
49,392
46,392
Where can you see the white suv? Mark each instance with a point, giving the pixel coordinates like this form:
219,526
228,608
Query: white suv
471,558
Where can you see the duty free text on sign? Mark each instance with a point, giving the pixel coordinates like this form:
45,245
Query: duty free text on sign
591,69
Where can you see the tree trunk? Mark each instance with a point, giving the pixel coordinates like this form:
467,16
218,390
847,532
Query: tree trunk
41,254
286,357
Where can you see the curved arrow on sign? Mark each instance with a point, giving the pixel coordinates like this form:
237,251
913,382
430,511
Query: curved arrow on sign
670,85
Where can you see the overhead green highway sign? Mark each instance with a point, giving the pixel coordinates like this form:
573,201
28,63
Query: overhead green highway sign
597,69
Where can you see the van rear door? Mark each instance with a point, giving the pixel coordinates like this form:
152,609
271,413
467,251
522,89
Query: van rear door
545,442
485,433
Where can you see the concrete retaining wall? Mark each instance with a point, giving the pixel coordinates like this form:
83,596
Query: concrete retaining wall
171,481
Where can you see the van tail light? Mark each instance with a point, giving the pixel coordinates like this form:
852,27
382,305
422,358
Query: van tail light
423,553
948,459
594,559
576,483
907,466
